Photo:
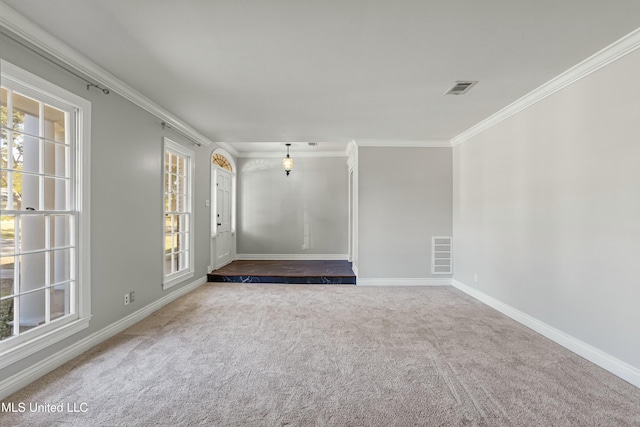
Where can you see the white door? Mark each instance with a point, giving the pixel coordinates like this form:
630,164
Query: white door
223,218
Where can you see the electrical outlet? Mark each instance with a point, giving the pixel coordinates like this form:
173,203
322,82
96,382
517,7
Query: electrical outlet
126,299
475,278
132,296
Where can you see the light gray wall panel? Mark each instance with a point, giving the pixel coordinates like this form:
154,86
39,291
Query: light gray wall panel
547,208
404,200
275,211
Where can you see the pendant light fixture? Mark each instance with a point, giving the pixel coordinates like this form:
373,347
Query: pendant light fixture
287,162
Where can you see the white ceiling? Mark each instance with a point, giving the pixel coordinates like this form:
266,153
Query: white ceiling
332,71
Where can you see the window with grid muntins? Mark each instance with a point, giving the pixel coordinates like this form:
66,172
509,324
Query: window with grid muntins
177,212
38,250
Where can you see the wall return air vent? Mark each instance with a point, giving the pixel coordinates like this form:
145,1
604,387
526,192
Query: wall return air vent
460,88
441,255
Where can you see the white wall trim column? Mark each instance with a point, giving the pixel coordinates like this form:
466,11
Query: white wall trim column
352,176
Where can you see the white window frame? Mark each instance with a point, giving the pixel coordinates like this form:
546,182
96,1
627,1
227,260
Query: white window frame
173,279
17,348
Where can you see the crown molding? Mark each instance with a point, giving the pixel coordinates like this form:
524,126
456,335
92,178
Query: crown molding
299,154
600,59
400,143
229,148
31,33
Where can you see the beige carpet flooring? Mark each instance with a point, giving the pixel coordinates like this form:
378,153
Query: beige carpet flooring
299,355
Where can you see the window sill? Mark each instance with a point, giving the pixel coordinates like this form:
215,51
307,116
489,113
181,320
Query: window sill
174,280
41,342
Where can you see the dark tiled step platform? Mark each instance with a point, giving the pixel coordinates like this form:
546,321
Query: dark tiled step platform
294,272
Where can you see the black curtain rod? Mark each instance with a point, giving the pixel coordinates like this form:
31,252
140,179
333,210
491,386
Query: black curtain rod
184,135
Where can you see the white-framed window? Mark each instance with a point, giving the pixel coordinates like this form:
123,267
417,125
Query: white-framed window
44,214
178,166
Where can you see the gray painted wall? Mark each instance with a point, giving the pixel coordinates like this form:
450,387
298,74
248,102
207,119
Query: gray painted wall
404,198
547,210
276,211
126,202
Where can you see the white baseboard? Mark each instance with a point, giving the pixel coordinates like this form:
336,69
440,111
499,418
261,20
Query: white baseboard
32,373
293,257
404,281
615,366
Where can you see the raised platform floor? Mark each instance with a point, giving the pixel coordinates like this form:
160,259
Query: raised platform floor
314,272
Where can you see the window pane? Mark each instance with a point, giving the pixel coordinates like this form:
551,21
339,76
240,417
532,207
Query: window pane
27,107
60,231
60,266
32,310
26,191
60,300
173,243
4,183
32,233
184,261
168,220
26,153
54,123
168,223
3,104
176,243
56,159
4,191
6,316
6,276
180,185
4,204
167,265
12,190
173,183
184,240
179,206
7,234
56,194
174,163
6,285
169,243
179,224
32,271
182,165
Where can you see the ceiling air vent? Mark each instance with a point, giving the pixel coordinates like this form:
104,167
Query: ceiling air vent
313,144
460,88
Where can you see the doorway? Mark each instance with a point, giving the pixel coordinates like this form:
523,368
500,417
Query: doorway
222,209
